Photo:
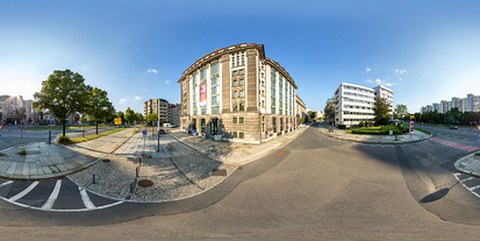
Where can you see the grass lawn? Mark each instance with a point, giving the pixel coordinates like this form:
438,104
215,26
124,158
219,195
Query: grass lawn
378,130
93,137
59,127
418,129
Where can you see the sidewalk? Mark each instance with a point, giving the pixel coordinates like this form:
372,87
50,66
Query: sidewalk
236,153
44,161
469,165
376,139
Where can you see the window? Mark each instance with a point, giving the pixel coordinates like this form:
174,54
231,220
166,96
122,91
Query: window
235,135
234,73
263,104
241,135
240,120
235,83
241,82
235,107
234,120
203,73
235,94
242,106
242,94
241,72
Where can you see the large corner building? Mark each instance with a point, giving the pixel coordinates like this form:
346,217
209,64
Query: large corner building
238,93
354,103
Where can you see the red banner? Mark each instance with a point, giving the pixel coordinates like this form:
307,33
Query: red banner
203,93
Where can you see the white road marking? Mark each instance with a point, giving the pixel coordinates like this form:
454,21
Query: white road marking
467,179
86,199
24,192
53,196
474,188
6,183
465,186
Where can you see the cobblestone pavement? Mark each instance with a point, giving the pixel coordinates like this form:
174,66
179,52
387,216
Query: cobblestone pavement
40,160
176,170
469,165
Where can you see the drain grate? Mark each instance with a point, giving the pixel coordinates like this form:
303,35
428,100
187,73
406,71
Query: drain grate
219,172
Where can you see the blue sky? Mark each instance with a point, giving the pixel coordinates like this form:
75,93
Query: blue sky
426,51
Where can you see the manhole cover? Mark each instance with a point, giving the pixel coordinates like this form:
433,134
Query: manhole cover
145,183
106,160
280,154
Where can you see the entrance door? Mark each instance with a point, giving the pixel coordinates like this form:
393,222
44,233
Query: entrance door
213,126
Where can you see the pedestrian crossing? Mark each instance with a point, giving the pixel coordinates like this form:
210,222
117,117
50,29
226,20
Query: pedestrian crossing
61,195
472,184
454,144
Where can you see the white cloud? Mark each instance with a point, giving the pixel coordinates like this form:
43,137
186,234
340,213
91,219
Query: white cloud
369,81
167,81
400,71
381,82
136,99
152,71
122,101
368,69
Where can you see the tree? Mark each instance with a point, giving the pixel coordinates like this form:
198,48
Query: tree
401,111
64,93
381,108
99,107
329,110
151,118
138,117
130,116
311,115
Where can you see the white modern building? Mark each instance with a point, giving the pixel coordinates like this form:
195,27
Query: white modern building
354,103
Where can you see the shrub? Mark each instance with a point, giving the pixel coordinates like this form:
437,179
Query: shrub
477,154
342,127
3,154
22,153
64,140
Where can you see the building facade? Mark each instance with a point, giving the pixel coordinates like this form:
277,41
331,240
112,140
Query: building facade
237,93
469,104
354,103
300,109
160,107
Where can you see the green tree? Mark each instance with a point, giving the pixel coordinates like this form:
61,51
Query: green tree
64,93
381,108
130,116
329,110
311,115
401,112
121,115
99,107
152,118
138,117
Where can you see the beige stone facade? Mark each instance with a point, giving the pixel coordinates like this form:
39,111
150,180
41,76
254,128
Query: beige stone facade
236,93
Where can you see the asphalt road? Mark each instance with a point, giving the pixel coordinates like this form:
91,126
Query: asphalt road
318,189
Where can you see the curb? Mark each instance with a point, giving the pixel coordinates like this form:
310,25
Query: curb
462,169
376,142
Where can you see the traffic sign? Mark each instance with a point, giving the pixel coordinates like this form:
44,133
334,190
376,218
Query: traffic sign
144,132
412,117
117,121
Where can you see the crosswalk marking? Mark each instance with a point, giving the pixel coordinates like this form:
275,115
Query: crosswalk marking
467,179
24,192
53,196
462,181
86,199
6,183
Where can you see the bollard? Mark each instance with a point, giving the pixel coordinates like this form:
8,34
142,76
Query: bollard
93,178
139,161
158,142
49,137
132,187
137,170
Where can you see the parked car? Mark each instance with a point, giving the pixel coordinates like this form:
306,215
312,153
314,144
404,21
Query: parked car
453,127
162,132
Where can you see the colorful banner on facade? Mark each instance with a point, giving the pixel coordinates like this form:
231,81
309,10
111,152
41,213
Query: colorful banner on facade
203,94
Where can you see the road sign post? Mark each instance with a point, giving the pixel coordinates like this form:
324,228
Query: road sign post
144,133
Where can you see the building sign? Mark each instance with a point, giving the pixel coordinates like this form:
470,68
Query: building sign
203,94
117,121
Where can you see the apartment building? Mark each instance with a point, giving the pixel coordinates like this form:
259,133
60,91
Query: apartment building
354,103
237,93
469,104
